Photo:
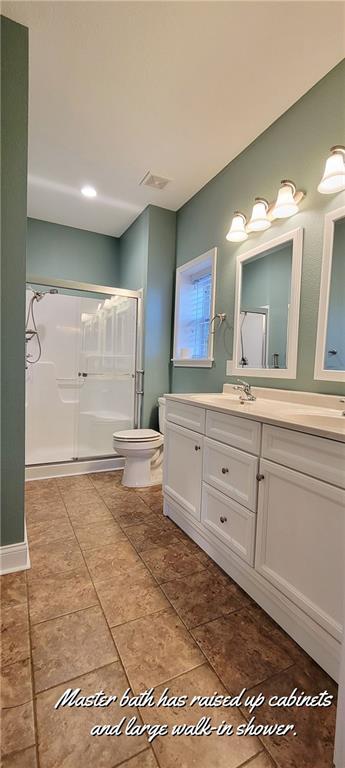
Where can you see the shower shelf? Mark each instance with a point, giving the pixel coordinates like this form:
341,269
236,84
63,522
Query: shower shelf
70,383
108,416
79,381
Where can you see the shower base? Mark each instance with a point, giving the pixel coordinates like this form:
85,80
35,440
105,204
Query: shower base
66,468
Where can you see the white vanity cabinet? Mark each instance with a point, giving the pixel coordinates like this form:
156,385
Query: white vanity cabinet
267,503
210,480
301,522
300,542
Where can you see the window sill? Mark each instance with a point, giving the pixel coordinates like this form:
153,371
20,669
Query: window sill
185,363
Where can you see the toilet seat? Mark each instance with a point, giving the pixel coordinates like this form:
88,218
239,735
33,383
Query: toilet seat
136,435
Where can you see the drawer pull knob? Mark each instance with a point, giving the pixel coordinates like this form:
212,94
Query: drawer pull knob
223,519
197,447
225,470
259,477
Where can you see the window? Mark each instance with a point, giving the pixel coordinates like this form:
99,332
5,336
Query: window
194,310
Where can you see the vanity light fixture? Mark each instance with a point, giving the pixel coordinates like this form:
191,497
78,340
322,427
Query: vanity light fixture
237,232
333,179
287,201
88,191
259,220
264,213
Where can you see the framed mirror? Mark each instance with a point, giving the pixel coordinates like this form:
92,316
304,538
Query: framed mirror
268,282
330,340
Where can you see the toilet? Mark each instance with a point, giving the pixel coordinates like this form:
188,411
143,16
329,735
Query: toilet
143,453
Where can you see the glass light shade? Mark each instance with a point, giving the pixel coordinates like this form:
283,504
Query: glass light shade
285,204
333,179
237,232
88,191
259,221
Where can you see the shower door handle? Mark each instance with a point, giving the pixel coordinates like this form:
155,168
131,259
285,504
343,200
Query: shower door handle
139,389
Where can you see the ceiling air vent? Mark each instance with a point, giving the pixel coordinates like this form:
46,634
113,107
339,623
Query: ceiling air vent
151,180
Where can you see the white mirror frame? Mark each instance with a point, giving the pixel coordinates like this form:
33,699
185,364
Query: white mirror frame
296,237
320,372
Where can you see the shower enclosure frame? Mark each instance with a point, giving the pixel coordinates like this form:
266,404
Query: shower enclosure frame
99,463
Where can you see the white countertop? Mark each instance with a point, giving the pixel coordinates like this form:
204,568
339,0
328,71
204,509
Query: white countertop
302,411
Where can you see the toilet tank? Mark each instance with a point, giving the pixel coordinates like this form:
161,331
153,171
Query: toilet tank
161,414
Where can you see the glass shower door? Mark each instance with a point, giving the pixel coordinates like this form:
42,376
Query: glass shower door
106,369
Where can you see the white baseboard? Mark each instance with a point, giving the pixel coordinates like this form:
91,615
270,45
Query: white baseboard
64,469
15,557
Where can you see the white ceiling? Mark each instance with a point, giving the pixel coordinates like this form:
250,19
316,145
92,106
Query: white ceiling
177,88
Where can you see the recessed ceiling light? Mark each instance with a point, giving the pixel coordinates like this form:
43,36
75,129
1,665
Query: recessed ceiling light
88,191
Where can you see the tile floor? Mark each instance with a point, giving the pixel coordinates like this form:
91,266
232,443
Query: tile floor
118,596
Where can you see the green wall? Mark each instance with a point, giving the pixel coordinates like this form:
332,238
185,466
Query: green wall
134,253
295,147
147,251
14,131
158,309
58,252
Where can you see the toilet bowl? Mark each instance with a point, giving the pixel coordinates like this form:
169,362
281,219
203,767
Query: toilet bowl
138,446
143,452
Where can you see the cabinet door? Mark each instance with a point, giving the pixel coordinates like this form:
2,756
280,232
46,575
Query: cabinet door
300,542
183,451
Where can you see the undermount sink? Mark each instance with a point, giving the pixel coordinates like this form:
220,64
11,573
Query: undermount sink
258,404
215,397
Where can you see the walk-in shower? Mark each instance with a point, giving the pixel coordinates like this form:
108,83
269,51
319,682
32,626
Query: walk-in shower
83,357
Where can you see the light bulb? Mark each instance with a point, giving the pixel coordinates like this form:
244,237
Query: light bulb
285,205
88,191
259,221
333,179
237,232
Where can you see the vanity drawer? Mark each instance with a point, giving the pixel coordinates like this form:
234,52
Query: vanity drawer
229,521
310,454
188,416
231,471
234,430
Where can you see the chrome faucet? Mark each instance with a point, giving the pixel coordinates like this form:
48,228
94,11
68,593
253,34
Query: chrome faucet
245,388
